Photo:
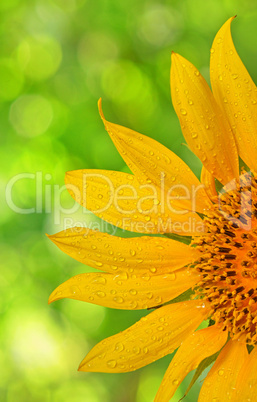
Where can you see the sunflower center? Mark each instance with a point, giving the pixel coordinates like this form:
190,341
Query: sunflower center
228,264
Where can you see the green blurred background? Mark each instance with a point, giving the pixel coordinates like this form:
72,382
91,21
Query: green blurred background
57,57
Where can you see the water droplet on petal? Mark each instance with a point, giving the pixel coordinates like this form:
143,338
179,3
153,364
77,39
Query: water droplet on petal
101,294
133,292
100,280
153,270
136,350
119,347
133,305
112,363
75,290
118,299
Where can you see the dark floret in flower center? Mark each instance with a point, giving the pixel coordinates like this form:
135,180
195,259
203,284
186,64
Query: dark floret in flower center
228,265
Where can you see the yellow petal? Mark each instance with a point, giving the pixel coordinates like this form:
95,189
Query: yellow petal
236,93
136,254
220,383
153,163
247,382
126,291
194,349
209,183
118,198
204,127
154,336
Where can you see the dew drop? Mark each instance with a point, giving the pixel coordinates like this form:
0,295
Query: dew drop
158,299
133,305
119,347
101,294
136,350
133,292
100,280
183,112
153,270
118,299
74,289
112,363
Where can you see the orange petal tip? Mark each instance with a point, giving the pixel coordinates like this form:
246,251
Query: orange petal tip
173,54
52,238
55,295
100,109
51,299
82,366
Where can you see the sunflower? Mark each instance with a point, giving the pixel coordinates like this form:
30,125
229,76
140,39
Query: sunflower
203,263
